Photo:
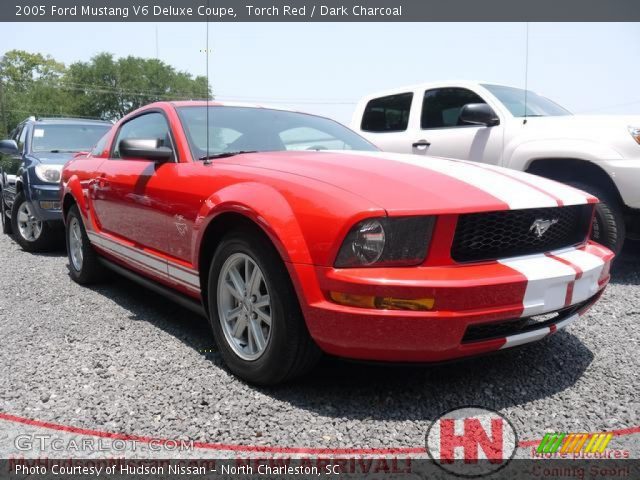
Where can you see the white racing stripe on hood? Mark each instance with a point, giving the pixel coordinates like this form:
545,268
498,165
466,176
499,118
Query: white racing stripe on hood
510,191
568,195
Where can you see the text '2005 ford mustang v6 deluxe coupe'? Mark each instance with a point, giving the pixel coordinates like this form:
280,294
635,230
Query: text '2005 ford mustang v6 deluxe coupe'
294,236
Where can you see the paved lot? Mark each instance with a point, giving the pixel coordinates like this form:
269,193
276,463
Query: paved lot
119,358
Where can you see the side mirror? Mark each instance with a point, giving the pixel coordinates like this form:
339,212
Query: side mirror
479,114
9,147
147,148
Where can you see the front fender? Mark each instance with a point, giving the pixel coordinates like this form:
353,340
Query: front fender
267,208
73,187
524,154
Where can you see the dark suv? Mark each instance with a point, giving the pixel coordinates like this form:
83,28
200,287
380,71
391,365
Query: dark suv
30,164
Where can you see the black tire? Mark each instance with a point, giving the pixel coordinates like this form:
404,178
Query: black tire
91,270
608,226
44,242
290,350
6,219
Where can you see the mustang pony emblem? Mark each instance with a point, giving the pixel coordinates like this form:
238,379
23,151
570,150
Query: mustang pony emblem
181,225
540,226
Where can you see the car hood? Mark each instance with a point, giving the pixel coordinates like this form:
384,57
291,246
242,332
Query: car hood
51,158
410,184
609,130
587,121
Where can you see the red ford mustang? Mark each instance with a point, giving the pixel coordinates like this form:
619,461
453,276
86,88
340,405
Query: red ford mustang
294,236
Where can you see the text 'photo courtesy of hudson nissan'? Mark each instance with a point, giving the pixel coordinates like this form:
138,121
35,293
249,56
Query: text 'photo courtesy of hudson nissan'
301,240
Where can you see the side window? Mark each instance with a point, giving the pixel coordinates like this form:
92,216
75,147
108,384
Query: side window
441,106
387,114
100,146
149,126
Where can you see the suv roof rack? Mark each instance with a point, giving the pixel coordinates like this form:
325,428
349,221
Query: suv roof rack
64,117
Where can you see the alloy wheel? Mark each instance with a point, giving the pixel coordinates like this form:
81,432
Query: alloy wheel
75,244
244,306
29,227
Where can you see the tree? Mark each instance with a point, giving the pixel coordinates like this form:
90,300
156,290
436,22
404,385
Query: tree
103,87
28,86
111,88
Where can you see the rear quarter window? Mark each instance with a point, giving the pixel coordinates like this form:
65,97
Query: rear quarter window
387,114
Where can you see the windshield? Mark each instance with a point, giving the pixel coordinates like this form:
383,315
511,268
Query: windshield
537,106
237,129
66,137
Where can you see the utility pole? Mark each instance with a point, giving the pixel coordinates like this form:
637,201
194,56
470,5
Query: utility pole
3,117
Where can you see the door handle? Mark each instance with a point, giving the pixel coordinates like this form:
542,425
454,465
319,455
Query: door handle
421,144
98,184
102,182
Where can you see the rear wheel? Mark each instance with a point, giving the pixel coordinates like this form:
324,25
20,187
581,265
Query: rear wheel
608,225
32,234
84,264
254,312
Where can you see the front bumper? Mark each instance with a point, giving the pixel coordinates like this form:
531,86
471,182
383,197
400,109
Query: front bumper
626,175
40,195
499,293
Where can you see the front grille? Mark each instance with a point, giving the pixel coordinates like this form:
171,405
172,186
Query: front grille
510,233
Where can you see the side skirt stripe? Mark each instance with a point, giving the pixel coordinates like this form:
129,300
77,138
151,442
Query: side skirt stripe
178,273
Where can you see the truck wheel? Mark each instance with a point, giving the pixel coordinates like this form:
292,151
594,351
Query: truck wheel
254,312
84,264
608,225
6,217
32,234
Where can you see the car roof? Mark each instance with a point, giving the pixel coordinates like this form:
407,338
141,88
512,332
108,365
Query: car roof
68,121
218,103
204,103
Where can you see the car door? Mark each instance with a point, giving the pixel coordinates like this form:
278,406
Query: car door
439,131
127,193
385,121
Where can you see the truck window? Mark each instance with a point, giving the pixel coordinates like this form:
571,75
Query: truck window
387,114
441,106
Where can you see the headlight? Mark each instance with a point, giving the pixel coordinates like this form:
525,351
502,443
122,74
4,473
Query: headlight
389,241
48,173
635,133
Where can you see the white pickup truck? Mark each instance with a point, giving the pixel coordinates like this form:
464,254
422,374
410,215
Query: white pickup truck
509,127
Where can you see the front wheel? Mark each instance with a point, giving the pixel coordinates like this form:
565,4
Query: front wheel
255,316
32,234
608,225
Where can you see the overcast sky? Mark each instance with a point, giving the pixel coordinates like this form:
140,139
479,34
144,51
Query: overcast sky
324,68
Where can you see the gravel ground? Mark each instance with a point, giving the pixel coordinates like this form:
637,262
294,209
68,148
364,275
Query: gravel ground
119,358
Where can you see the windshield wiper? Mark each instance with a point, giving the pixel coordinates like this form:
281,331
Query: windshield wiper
57,150
225,154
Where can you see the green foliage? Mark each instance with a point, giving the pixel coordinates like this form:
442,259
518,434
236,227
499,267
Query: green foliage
103,87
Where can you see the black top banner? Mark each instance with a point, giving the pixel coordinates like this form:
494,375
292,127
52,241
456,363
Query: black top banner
314,11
